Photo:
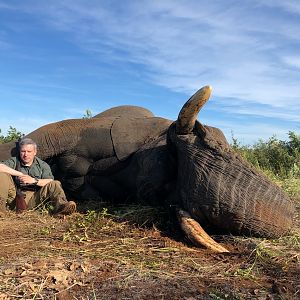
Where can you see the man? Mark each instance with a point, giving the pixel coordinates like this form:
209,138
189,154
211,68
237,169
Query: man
35,179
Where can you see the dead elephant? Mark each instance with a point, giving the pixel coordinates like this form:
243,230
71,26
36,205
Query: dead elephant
127,152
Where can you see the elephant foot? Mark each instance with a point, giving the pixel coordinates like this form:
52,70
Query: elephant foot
196,233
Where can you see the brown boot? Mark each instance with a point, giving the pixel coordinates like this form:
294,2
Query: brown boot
67,208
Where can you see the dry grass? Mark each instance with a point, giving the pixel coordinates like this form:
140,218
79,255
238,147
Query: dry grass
129,253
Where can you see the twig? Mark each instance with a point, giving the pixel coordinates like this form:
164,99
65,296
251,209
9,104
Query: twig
26,241
40,287
69,287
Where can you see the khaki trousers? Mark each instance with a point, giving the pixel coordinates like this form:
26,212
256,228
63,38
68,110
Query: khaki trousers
51,192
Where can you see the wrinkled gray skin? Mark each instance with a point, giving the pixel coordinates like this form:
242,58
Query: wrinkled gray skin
127,153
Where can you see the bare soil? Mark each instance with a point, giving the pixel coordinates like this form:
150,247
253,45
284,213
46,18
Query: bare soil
96,255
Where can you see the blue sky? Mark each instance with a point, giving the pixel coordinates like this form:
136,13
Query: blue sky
59,58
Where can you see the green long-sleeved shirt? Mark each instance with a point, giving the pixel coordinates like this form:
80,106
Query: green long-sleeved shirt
39,169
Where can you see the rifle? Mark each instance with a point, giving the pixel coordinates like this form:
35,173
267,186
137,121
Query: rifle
21,204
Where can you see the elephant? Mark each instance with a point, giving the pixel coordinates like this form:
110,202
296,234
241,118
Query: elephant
128,153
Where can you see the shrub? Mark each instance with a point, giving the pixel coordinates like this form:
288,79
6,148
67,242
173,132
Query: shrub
12,135
280,160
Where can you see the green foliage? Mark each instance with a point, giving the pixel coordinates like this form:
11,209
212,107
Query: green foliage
279,159
88,114
12,135
85,226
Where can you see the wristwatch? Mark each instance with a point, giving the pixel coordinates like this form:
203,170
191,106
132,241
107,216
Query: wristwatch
36,181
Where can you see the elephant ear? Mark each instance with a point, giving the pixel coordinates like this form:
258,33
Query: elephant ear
130,134
128,111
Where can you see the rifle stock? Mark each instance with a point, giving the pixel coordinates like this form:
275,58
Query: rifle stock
21,204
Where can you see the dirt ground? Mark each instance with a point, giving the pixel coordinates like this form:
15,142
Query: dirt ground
96,255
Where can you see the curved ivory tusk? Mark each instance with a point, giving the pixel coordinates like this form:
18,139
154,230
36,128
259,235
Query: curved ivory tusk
189,112
196,233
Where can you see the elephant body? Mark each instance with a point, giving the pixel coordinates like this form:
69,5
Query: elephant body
78,163
126,152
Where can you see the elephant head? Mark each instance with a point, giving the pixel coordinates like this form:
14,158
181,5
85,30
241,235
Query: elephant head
217,186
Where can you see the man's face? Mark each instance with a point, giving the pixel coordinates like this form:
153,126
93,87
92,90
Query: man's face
27,154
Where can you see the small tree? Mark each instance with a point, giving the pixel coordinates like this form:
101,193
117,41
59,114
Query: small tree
12,135
88,114
281,158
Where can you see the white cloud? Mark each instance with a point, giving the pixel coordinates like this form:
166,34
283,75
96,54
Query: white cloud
236,48
4,45
247,51
283,114
183,41
293,61
259,130
25,125
291,6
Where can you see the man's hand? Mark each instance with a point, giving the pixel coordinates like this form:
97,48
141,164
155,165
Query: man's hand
26,179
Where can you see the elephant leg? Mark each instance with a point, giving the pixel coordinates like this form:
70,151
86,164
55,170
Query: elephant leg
90,193
108,189
80,189
152,189
107,166
73,186
74,165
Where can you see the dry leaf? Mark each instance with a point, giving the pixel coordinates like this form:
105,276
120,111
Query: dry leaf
24,273
59,265
28,266
4,297
40,265
8,271
73,266
59,276
33,286
84,268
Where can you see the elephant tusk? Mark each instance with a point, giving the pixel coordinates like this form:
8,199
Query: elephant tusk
196,233
189,112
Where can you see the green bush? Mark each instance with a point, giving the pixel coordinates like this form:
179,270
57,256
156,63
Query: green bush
88,114
280,160
12,135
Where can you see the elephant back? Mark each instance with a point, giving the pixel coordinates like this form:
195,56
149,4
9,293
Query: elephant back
128,111
130,134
